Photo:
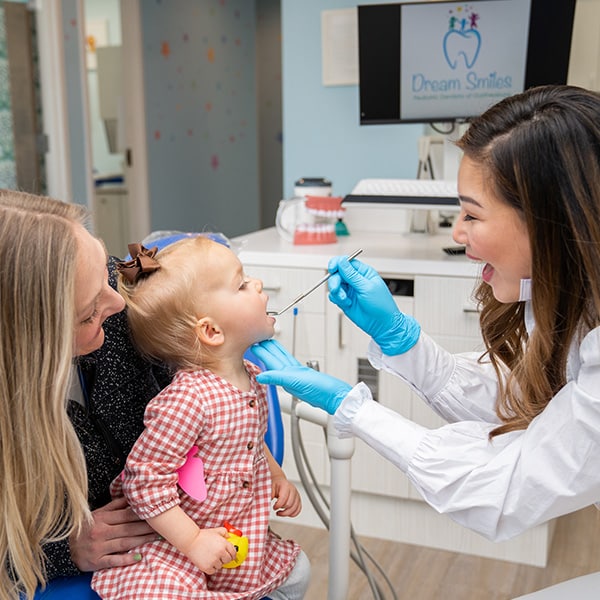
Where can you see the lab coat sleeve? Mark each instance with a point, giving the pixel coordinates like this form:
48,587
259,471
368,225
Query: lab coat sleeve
503,486
456,386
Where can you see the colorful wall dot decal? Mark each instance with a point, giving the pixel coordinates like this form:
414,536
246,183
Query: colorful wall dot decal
211,55
214,162
165,49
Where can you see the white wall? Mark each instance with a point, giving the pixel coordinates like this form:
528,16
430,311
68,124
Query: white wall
584,66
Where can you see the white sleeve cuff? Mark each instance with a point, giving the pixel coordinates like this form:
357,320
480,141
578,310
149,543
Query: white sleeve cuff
389,433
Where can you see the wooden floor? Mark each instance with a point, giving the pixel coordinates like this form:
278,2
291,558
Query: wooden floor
419,573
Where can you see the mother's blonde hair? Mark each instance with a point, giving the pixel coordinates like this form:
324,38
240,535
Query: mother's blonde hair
43,496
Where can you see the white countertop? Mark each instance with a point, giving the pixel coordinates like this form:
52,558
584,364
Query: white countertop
390,253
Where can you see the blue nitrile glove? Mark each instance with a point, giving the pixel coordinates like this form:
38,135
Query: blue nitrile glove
366,300
318,389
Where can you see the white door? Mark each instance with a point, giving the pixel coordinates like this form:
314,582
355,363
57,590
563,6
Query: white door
53,30
136,159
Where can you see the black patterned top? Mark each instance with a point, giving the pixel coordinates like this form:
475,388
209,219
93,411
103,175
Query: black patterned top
118,383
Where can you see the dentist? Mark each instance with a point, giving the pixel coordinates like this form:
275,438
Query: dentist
522,443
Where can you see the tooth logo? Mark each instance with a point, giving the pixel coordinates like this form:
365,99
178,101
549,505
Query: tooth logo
462,38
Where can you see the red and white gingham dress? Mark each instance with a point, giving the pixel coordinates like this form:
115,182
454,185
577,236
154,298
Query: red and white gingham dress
228,426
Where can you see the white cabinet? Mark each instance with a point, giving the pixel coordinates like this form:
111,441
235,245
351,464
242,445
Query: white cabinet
302,332
447,312
346,359
443,308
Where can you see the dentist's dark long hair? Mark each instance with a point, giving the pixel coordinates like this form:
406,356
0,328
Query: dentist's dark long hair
540,152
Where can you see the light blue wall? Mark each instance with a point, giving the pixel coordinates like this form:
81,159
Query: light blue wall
200,89
321,132
201,114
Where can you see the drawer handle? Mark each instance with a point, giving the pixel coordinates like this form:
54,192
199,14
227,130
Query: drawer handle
341,343
272,288
470,309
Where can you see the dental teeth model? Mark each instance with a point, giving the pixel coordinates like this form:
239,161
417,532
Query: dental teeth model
309,219
323,213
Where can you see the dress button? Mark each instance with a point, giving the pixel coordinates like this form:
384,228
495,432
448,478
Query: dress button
245,484
250,445
251,404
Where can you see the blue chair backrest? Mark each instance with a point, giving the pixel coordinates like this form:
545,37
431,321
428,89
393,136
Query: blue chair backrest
274,436
71,588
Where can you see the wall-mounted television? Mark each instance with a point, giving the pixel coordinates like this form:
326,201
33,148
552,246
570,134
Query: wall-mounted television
425,62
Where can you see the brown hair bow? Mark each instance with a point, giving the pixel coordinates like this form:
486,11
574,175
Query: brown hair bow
142,262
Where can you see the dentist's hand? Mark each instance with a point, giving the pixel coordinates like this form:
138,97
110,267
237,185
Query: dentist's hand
366,300
318,389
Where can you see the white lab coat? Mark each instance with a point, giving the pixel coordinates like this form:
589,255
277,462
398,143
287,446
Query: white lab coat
501,487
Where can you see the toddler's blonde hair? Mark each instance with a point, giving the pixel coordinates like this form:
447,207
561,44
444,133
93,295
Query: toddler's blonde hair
163,306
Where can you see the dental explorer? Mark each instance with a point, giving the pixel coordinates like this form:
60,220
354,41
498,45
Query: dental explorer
276,313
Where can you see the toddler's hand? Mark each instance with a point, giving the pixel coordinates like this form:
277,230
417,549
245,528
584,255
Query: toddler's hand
288,502
210,550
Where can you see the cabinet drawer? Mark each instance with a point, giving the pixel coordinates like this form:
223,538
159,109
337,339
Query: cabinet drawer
371,473
283,285
445,305
303,335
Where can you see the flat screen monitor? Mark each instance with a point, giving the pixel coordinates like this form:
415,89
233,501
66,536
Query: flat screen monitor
449,61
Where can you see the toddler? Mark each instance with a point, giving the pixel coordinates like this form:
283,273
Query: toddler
192,307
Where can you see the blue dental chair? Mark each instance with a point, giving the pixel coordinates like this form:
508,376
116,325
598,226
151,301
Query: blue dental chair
78,587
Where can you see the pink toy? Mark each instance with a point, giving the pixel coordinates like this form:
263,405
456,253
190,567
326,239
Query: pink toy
191,476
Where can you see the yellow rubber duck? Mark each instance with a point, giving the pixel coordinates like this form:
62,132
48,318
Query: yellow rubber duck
241,546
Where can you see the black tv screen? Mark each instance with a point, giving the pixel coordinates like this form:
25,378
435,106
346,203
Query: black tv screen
423,62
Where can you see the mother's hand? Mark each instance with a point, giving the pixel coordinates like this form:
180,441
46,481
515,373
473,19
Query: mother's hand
108,539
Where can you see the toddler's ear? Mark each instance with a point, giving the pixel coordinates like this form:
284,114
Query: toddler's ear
209,332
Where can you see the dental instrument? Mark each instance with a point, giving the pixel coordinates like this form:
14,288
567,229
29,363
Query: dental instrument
276,313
